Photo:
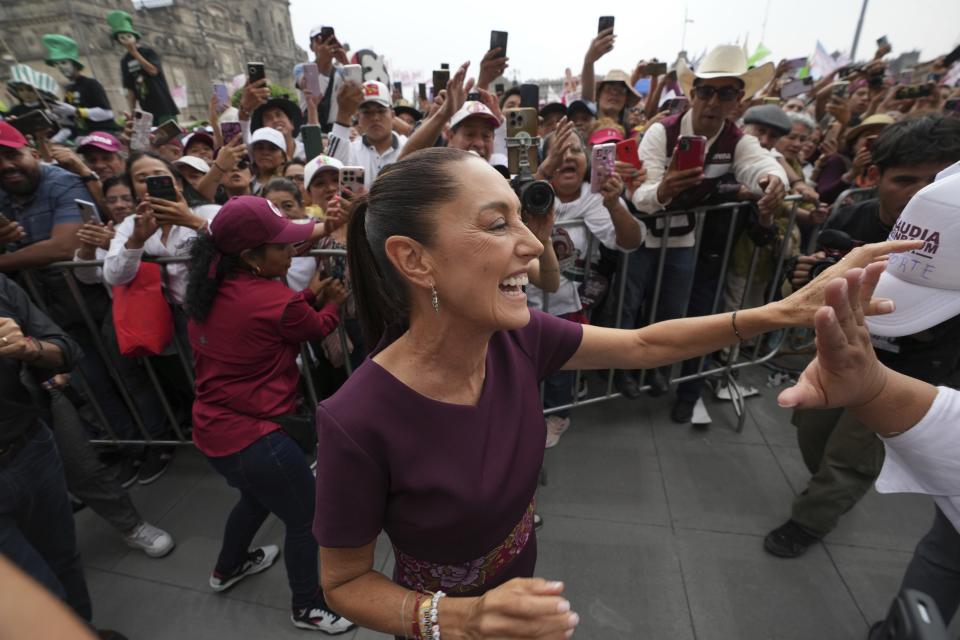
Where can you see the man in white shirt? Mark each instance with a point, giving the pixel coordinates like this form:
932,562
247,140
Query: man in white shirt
379,145
329,56
732,160
916,420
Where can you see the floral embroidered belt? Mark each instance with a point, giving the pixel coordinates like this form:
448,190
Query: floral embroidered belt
423,575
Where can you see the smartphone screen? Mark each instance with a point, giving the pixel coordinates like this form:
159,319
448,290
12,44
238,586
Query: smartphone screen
88,211
398,87
656,68
311,79
256,71
603,163
840,89
161,187
422,90
229,131
605,22
445,65
498,39
498,88
530,96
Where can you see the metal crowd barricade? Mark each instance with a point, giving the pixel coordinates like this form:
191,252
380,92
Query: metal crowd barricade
182,352
737,356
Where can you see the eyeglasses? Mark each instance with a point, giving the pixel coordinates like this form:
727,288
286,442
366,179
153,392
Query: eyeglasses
725,94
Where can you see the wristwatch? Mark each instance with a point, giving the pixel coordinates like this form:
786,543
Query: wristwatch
90,177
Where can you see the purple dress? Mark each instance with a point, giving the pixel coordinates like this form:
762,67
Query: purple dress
452,485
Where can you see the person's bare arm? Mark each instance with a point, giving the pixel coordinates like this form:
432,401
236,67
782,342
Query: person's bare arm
599,47
148,67
675,340
30,611
61,245
450,100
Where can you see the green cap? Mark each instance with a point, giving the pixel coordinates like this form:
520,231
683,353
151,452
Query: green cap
121,22
61,48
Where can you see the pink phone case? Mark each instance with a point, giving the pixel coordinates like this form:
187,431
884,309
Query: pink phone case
603,163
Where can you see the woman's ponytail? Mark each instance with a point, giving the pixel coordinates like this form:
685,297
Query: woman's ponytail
375,308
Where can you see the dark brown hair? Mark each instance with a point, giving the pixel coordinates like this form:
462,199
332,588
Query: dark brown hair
398,204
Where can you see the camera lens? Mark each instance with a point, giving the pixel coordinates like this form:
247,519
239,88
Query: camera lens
536,197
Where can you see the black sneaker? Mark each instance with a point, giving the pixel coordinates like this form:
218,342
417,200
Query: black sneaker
154,464
317,617
682,411
260,559
789,540
626,385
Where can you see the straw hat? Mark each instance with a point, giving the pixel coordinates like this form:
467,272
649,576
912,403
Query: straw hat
725,61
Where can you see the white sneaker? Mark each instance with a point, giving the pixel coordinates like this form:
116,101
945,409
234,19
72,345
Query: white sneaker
555,428
260,559
318,618
153,541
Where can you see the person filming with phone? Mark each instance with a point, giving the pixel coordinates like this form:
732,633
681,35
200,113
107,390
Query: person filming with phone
687,157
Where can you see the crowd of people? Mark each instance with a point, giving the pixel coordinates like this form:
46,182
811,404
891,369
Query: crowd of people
371,253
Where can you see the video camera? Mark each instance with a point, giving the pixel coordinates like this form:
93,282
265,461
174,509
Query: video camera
835,244
536,196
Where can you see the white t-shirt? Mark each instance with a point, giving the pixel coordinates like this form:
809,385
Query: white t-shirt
571,244
926,458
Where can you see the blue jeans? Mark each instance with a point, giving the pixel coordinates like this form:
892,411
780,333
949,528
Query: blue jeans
272,476
36,522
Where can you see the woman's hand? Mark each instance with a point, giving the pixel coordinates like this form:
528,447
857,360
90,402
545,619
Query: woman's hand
541,225
846,371
522,608
839,108
799,308
563,137
174,212
328,290
94,235
11,231
231,154
144,226
611,189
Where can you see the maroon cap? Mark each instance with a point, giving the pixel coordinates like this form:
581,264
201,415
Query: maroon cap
10,137
246,222
199,136
100,140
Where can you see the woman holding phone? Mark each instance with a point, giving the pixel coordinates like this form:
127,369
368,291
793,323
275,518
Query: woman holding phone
437,438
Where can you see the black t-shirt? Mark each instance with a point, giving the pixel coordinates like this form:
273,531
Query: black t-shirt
152,92
18,412
87,93
931,355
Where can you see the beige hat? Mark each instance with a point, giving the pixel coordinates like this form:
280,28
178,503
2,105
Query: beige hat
725,61
618,75
875,124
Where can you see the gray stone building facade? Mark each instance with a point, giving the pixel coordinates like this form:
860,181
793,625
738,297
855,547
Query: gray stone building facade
200,42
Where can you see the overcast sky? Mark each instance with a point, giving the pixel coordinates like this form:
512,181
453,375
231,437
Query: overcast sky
546,37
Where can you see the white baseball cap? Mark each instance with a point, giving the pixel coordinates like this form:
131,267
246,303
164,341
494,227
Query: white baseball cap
374,91
193,161
318,164
473,108
924,283
271,135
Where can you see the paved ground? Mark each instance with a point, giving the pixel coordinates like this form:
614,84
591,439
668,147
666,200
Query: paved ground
655,528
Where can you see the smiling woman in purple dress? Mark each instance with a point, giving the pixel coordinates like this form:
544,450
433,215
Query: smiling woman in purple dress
437,438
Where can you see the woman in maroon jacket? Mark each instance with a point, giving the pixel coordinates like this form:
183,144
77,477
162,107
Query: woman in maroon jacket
246,327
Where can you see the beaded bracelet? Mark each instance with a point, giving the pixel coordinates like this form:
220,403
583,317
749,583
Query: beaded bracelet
435,615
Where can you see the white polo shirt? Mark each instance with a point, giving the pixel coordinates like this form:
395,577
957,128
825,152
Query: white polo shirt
360,153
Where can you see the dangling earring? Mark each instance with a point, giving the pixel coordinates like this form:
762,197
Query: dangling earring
434,299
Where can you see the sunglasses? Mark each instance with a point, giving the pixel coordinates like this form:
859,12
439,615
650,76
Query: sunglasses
725,94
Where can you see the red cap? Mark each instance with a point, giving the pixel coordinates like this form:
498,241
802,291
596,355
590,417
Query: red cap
246,222
10,137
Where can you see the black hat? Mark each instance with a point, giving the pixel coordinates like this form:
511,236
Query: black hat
553,107
289,107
